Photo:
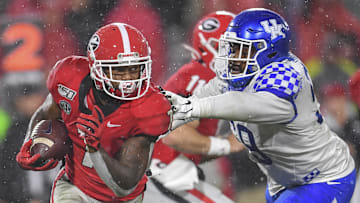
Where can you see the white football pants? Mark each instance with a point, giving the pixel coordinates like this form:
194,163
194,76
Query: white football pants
202,193
64,191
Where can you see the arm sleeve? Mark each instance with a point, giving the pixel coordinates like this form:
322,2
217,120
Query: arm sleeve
259,107
214,87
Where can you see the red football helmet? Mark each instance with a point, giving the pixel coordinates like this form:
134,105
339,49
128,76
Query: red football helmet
206,34
119,45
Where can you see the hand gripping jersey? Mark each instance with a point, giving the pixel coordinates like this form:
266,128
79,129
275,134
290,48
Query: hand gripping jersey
188,79
73,90
277,118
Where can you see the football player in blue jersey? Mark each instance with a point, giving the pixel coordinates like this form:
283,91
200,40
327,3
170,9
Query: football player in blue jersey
267,95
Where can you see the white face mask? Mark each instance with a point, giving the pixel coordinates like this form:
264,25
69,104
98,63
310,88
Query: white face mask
122,89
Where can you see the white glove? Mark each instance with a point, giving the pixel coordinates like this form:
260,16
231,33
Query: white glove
173,98
183,110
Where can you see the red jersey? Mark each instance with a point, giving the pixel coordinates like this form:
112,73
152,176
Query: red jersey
184,82
73,90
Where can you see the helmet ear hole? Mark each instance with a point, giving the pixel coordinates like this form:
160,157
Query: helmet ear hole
271,55
259,45
201,50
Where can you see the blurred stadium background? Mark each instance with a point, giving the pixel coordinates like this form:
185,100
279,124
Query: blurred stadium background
34,34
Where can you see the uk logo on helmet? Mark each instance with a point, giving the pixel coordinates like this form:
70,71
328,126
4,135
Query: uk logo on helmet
274,29
210,25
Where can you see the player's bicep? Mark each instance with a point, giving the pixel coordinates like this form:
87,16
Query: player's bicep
133,147
272,109
47,110
50,108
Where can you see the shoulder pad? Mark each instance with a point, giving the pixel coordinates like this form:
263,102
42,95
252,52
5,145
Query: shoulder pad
152,103
150,112
280,79
188,78
66,70
179,80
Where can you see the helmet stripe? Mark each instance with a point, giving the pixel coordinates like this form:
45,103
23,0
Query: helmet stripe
125,37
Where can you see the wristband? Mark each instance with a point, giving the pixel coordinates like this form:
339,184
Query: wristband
219,146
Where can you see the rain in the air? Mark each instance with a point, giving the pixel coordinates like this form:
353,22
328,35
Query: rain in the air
179,101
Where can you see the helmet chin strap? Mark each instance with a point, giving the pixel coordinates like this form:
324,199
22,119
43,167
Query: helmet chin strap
194,53
92,53
127,87
206,44
212,65
119,91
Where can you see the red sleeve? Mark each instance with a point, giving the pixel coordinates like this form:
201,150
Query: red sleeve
354,86
64,82
151,114
52,79
175,83
67,71
178,82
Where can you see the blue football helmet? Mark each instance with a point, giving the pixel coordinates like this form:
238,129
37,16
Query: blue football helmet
254,38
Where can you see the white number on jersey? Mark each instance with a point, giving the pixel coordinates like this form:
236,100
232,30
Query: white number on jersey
195,79
247,138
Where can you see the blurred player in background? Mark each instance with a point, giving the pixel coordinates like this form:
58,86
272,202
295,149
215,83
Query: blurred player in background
176,177
260,82
353,134
113,115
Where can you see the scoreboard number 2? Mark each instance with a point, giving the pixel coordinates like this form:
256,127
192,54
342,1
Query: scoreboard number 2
22,43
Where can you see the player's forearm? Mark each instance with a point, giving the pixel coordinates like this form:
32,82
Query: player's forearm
122,172
35,118
48,110
127,171
187,139
105,166
248,107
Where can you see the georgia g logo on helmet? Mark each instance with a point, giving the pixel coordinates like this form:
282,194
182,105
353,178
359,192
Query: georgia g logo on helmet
210,25
94,42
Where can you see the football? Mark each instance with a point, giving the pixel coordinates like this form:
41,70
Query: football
50,140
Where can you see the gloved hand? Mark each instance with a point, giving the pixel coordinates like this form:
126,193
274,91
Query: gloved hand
91,125
183,110
35,162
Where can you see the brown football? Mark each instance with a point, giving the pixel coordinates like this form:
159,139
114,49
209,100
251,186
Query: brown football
50,140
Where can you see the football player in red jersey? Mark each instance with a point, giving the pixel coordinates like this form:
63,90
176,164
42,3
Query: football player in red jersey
175,174
113,115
